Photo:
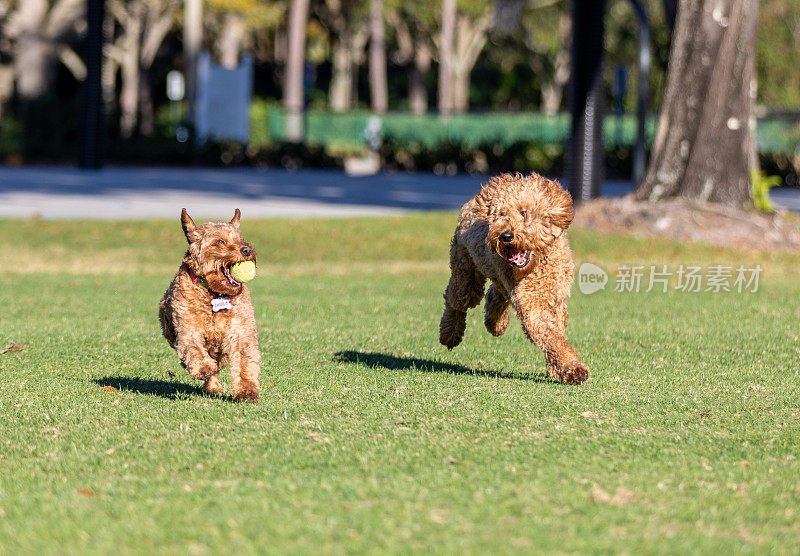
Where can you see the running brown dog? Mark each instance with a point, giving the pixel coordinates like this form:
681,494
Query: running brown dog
513,233
207,316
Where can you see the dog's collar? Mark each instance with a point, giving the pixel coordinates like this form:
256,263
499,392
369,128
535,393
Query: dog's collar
219,302
198,281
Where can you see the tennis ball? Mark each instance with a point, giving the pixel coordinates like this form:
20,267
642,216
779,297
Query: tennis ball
243,271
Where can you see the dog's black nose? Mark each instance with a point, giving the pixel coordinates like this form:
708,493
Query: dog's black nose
246,250
505,237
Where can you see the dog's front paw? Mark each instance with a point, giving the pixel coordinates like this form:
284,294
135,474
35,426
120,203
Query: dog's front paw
203,372
574,373
247,393
450,339
213,385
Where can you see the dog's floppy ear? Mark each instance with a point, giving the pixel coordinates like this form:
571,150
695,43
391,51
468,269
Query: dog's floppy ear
189,229
561,213
236,217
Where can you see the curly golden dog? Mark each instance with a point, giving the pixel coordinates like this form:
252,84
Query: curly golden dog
514,233
207,316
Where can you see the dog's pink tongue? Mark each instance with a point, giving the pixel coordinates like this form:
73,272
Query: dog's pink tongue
518,258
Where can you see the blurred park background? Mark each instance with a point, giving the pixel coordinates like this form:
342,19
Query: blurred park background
372,83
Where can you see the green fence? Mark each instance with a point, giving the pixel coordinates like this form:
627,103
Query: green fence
347,130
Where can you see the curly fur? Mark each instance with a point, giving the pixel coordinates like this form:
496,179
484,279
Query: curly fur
207,341
513,233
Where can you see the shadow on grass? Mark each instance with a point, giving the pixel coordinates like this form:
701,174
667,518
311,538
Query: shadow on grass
166,389
391,362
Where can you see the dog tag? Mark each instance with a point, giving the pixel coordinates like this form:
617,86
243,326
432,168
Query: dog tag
220,303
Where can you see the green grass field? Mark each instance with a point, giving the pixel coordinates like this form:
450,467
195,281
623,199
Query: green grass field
370,436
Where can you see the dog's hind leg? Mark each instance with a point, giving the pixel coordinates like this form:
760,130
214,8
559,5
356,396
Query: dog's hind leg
496,311
464,291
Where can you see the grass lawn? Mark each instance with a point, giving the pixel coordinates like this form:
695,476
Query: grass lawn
370,436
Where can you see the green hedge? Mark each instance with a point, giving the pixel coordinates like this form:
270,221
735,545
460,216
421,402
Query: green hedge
503,129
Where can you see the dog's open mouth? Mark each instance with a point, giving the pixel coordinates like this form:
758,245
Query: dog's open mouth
226,272
520,259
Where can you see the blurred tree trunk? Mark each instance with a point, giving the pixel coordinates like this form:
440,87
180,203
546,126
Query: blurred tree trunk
418,74
554,80
705,140
234,31
110,67
470,38
144,24
6,85
461,41
553,89
239,25
293,93
34,55
459,85
350,30
128,59
378,86
280,48
413,52
340,94
346,59
159,21
446,57
192,42
35,29
360,37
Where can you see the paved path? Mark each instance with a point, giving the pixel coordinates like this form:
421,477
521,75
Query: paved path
131,193
120,193
786,197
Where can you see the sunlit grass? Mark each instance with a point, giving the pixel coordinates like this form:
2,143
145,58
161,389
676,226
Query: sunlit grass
372,437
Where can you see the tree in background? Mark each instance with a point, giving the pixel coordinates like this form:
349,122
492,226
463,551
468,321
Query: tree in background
141,27
34,31
547,34
293,97
474,19
414,25
446,47
704,148
234,24
464,28
348,24
378,87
